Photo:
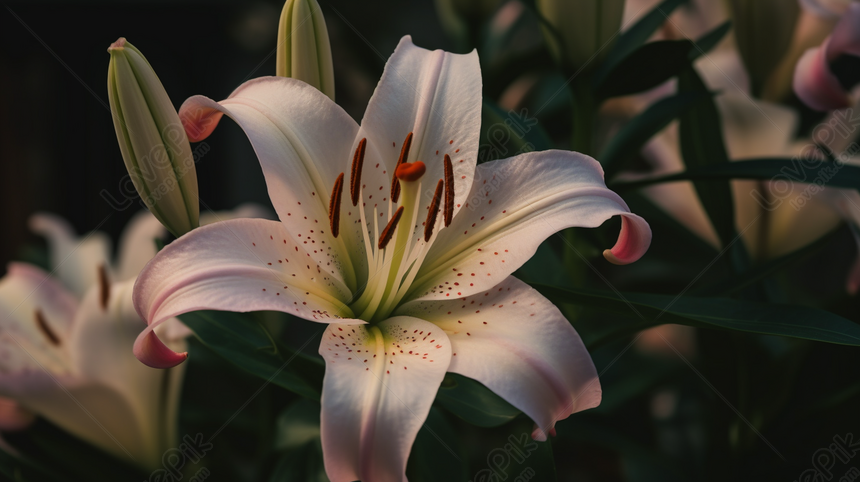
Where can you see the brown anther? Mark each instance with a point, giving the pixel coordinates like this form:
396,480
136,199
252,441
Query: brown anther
404,154
430,223
334,206
388,232
410,171
104,287
449,191
46,329
355,175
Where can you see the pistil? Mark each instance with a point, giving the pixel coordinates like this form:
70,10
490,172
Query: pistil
404,155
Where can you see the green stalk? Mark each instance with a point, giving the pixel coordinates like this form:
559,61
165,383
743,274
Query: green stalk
582,140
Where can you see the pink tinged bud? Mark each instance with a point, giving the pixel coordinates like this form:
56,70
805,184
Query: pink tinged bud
814,81
304,51
152,140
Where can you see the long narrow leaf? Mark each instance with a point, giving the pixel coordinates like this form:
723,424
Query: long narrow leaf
645,310
643,127
823,173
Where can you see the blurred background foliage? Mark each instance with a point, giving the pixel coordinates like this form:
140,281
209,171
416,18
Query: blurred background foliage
721,398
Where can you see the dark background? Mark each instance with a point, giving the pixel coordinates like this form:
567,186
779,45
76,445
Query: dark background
58,150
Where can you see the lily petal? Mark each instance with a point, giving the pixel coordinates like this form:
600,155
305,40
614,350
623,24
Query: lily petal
435,95
379,384
72,258
13,417
80,408
238,265
36,314
100,346
515,204
814,82
303,141
137,244
518,344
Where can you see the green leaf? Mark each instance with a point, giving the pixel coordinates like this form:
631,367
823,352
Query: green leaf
76,461
740,281
297,438
23,469
505,134
646,68
473,402
710,40
245,343
804,171
645,310
297,425
701,136
630,139
638,34
436,454
652,64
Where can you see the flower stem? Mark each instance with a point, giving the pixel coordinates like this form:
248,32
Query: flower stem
582,140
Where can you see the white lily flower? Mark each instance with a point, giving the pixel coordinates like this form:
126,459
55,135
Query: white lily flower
65,343
416,279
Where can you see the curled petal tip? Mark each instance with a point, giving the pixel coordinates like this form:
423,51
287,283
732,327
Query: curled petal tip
539,435
815,85
633,241
152,352
607,253
198,121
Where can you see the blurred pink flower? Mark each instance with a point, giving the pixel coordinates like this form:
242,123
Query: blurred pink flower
814,82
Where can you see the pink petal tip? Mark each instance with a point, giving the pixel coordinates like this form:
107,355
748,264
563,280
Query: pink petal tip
199,121
152,352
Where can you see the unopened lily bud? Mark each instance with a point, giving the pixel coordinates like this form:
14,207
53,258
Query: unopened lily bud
304,51
152,140
460,18
582,29
764,31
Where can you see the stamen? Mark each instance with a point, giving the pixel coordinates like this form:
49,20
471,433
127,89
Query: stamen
388,232
404,154
434,210
46,329
449,191
355,175
410,171
334,206
104,287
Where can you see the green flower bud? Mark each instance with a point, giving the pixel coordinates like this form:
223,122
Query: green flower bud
304,51
153,142
463,19
582,28
764,30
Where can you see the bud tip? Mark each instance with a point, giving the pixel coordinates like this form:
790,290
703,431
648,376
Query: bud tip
118,45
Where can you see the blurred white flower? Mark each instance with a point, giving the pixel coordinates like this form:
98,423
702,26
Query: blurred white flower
66,341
